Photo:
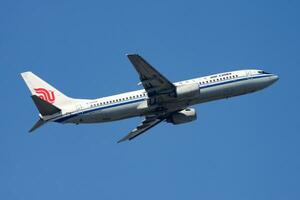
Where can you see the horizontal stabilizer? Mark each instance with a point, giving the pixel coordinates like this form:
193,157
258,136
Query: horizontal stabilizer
44,107
38,124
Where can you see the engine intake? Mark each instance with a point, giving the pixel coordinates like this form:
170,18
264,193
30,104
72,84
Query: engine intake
188,90
183,116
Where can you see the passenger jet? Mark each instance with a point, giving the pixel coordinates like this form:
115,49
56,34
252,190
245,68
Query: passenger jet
160,100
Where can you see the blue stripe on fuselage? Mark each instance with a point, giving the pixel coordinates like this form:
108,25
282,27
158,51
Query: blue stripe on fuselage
235,80
64,118
95,109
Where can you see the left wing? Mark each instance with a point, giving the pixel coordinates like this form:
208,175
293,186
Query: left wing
144,126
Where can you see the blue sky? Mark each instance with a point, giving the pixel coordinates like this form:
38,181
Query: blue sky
241,148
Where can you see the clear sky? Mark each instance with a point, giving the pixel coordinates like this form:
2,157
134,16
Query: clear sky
241,148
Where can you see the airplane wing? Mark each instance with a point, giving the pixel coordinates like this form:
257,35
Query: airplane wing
154,83
141,128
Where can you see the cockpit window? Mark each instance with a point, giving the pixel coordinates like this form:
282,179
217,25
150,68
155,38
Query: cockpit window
263,72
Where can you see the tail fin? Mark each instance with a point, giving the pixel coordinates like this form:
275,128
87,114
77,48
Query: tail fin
44,91
44,107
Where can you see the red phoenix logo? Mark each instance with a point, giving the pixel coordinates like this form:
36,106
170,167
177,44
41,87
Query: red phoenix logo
46,95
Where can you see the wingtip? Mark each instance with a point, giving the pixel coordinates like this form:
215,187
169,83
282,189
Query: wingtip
131,54
122,140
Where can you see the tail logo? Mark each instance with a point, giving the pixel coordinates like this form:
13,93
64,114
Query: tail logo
46,95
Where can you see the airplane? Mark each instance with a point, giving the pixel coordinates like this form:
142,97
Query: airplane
160,100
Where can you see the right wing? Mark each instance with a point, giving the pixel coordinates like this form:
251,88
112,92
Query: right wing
156,85
141,128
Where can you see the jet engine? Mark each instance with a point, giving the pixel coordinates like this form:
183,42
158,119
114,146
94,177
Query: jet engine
183,116
188,90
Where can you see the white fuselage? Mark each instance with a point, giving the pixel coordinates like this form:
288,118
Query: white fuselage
135,103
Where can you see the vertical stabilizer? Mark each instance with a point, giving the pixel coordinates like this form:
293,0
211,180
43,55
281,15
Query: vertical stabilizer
45,91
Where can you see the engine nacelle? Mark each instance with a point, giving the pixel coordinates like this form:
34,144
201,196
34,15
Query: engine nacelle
183,116
188,90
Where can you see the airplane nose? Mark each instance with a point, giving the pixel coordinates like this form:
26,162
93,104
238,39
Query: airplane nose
274,78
